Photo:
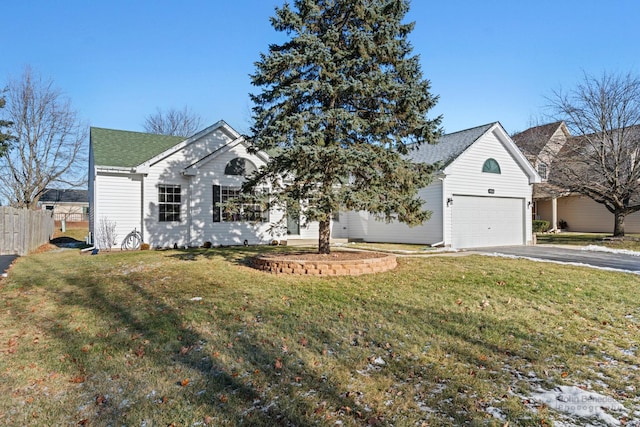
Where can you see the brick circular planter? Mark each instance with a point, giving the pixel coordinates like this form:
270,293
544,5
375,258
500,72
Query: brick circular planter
325,265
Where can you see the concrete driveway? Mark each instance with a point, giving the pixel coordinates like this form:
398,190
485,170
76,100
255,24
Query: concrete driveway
569,255
5,262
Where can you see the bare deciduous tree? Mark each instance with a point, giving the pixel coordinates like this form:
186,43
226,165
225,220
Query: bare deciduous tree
106,233
173,122
603,160
49,141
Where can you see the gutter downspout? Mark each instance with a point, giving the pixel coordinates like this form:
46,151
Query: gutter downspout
189,209
142,203
445,212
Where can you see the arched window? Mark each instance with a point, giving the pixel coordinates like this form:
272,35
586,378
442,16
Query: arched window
491,166
239,166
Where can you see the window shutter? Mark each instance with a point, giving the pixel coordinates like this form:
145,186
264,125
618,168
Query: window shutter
265,212
216,200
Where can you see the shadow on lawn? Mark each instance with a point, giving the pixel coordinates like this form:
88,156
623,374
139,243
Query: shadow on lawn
239,255
68,242
154,333
140,321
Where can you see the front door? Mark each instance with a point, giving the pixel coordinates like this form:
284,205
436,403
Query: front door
293,225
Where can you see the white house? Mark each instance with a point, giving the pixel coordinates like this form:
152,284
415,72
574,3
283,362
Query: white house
170,189
481,195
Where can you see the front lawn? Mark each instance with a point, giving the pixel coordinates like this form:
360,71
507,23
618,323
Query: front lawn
192,338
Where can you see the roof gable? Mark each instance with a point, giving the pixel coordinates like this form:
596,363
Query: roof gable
533,140
127,149
121,148
218,126
192,168
449,146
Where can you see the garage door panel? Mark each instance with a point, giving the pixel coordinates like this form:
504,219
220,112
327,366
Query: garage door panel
487,221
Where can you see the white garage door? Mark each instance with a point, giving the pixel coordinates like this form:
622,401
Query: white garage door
486,221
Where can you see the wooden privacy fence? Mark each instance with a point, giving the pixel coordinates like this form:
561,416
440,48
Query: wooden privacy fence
23,230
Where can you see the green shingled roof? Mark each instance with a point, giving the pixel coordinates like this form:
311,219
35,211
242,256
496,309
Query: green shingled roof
121,148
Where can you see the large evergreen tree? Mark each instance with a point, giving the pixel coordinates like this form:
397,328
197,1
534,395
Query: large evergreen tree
5,138
341,102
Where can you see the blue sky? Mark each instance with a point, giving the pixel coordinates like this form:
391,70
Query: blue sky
490,60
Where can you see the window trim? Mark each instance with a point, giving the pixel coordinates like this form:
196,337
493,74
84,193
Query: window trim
233,168
248,212
164,214
491,165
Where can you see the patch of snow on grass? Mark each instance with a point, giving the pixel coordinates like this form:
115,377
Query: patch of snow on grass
581,403
629,351
496,413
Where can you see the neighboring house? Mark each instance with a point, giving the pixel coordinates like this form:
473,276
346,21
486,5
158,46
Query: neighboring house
481,195
66,204
170,189
563,209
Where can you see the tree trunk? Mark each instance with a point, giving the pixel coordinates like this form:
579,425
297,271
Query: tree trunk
324,237
618,227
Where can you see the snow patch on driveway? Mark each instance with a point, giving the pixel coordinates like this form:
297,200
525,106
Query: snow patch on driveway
596,248
576,264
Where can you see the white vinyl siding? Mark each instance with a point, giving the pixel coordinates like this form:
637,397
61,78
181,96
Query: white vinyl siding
203,227
502,196
118,200
91,194
130,197
364,226
169,170
340,226
464,177
164,233
487,201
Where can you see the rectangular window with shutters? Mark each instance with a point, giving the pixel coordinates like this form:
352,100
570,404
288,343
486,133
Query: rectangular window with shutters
245,210
169,203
